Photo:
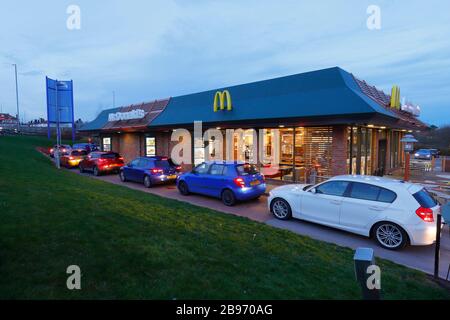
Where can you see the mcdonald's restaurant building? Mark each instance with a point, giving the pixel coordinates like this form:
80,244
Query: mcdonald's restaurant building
325,122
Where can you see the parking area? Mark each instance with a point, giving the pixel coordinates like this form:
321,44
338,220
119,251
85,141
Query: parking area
421,258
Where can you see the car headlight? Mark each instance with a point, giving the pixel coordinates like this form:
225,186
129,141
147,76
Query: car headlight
416,154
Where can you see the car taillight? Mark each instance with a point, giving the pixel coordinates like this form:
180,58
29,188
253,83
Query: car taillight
239,182
156,170
71,158
426,214
51,150
120,158
178,168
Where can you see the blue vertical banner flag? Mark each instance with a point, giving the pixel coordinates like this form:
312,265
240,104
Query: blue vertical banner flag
60,108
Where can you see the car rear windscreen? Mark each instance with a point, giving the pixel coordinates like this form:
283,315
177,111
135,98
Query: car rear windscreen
79,153
245,169
112,155
162,164
425,199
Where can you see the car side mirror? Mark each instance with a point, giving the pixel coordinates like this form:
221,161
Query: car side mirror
313,190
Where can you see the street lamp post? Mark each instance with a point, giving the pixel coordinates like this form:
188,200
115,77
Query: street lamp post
408,146
17,98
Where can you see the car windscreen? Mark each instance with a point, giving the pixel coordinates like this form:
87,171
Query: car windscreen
162,164
425,199
79,153
111,155
245,169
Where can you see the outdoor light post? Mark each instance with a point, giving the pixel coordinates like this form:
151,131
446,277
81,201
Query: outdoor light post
408,146
17,98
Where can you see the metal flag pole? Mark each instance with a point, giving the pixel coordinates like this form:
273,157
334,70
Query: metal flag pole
58,137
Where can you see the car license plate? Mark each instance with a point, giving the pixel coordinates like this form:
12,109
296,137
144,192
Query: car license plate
255,182
173,176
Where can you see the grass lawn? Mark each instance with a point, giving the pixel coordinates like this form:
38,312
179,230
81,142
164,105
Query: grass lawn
134,245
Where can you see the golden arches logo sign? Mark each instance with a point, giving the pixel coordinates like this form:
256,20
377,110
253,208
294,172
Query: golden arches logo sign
222,101
395,97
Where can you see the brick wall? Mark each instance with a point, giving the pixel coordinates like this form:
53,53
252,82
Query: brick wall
130,146
339,151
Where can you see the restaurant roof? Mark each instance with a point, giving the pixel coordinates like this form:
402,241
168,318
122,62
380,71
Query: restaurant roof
329,93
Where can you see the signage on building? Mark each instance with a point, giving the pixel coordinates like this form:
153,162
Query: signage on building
222,100
395,97
404,105
411,108
130,115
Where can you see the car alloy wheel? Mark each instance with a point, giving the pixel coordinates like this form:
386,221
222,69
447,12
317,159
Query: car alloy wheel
281,209
96,172
390,236
183,188
147,182
122,176
228,198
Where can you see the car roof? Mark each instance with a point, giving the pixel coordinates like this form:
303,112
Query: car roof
379,181
225,162
155,158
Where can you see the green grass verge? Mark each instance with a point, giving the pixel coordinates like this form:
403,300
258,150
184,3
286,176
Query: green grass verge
134,245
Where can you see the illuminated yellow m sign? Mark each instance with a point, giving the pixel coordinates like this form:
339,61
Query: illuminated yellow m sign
222,100
395,97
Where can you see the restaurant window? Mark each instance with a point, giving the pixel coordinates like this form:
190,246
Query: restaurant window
150,146
359,146
106,144
395,151
199,150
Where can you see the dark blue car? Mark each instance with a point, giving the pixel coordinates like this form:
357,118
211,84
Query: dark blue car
150,171
229,181
423,154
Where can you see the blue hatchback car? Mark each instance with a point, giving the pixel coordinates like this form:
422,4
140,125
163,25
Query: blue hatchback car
229,181
150,171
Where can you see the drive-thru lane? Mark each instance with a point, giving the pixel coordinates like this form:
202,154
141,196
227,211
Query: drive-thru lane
421,258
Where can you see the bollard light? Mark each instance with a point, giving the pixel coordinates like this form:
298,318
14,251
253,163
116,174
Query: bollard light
364,259
408,145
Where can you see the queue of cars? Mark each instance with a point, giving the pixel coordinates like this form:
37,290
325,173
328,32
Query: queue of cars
393,212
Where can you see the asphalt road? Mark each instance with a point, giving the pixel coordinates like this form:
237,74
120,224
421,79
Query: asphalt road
421,258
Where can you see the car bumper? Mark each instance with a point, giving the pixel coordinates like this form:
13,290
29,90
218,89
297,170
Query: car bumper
422,234
74,163
110,167
164,179
248,193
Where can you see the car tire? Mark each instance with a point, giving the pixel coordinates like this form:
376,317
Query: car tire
183,188
228,198
281,209
147,182
81,168
390,235
122,176
96,172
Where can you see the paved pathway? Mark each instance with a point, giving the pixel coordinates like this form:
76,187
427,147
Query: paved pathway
421,258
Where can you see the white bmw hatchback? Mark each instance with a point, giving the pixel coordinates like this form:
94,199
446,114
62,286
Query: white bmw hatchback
393,212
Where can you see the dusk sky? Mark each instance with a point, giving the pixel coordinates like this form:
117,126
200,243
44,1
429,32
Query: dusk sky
145,50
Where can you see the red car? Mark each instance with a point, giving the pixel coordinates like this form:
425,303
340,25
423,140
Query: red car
101,162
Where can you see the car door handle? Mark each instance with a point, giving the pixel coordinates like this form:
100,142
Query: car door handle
374,208
337,202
